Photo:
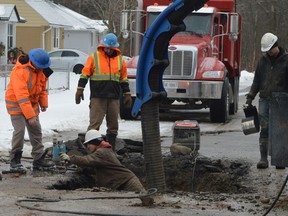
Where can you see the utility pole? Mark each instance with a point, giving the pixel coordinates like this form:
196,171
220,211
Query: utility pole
80,6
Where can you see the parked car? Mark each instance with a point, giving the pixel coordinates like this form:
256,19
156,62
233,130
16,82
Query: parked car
67,60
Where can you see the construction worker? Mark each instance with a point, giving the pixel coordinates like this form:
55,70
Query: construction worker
109,172
107,71
271,75
25,93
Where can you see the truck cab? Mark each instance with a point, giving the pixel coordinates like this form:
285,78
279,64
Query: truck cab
204,61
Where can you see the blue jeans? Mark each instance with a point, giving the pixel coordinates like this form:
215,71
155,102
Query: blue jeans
264,105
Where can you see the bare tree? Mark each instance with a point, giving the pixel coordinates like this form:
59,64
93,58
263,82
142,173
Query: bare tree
108,11
259,17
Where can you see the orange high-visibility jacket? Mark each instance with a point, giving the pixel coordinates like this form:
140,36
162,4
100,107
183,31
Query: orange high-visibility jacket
106,74
26,91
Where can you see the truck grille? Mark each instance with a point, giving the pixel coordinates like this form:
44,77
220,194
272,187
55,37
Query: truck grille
182,64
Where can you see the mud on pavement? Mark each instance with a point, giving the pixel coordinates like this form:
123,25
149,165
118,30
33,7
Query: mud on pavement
195,186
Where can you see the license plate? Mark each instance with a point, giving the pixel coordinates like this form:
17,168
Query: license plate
170,85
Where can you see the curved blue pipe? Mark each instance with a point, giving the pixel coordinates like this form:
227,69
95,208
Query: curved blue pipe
154,51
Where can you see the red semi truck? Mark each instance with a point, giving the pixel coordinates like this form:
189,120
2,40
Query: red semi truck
204,60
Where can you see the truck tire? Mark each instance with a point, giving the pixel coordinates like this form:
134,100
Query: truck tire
235,88
232,109
124,112
219,109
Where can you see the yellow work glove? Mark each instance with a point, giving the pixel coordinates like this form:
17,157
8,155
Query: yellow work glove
127,100
79,95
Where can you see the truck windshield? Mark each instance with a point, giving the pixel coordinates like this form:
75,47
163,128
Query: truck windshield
198,23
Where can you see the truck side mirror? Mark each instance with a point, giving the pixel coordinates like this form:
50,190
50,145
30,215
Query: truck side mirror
234,27
124,24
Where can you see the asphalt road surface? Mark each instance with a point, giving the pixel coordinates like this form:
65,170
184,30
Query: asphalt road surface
219,141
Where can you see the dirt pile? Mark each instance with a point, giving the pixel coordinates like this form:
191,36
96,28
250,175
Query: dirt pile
182,173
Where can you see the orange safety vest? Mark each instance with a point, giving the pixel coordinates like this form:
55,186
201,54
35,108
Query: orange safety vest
26,91
103,71
100,67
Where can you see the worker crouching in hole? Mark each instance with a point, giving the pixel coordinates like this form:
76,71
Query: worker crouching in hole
106,167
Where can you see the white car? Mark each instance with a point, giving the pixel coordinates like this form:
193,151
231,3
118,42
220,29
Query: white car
67,60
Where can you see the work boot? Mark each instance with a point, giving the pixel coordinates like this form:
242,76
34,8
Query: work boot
263,163
15,162
43,163
111,139
280,167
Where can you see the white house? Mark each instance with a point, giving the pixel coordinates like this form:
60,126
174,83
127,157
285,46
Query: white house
85,33
80,32
9,16
53,26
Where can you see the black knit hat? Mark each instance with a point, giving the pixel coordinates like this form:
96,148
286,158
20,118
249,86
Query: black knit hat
274,45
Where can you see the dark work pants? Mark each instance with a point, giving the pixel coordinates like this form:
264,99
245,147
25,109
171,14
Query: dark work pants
264,105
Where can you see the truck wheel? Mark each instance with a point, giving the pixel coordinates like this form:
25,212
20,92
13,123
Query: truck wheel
232,109
235,88
124,112
219,108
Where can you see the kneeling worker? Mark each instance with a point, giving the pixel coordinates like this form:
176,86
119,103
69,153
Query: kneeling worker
106,166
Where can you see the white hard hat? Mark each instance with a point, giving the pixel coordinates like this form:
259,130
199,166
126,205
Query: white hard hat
267,41
91,135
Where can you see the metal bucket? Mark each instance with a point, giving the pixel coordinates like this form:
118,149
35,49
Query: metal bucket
250,124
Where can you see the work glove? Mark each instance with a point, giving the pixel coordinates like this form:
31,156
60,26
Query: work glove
33,121
64,156
79,95
248,100
127,100
43,109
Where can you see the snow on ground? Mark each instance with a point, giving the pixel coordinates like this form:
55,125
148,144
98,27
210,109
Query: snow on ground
246,80
64,115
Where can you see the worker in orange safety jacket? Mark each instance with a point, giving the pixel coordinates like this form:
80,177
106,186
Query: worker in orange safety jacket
107,72
25,93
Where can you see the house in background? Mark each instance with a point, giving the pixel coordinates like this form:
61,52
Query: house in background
9,16
86,32
52,26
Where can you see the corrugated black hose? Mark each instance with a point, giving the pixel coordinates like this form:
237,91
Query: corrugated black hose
21,202
277,198
150,109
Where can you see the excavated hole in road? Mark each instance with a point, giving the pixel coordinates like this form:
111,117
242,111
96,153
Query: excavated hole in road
181,173
207,175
